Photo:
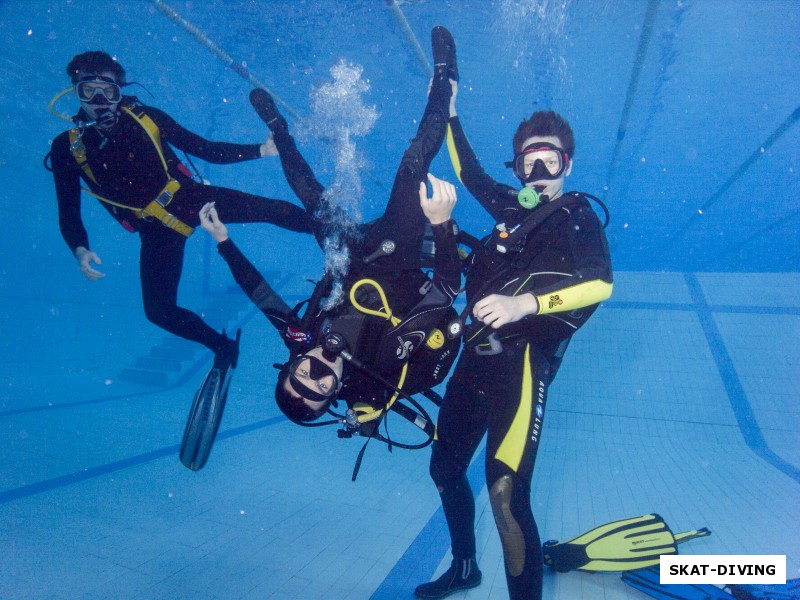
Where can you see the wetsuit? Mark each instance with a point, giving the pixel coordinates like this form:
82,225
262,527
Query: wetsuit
500,383
126,169
422,304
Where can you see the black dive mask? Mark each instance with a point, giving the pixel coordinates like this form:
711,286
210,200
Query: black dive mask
539,161
313,379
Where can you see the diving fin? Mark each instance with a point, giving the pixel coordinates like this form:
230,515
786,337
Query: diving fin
444,53
751,591
648,581
206,412
622,545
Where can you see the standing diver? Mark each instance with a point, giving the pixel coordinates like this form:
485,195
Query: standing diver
530,285
121,149
389,326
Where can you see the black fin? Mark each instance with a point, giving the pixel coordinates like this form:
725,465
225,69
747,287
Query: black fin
444,53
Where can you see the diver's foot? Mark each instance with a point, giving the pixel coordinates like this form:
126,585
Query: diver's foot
444,53
227,357
463,574
266,109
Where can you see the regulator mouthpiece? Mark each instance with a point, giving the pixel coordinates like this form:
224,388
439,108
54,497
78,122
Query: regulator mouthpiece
531,197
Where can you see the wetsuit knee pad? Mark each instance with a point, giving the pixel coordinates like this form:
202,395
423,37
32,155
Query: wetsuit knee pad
511,534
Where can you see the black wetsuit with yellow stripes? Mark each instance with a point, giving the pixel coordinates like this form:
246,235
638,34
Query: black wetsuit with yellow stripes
565,263
127,169
382,347
422,303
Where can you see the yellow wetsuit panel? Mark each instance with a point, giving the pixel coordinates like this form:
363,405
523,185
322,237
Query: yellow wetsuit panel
451,148
512,447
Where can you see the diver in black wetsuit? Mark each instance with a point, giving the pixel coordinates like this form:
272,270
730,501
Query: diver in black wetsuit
314,374
534,281
121,150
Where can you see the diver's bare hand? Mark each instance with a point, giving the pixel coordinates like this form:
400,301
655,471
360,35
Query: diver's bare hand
439,206
85,258
209,220
497,310
269,148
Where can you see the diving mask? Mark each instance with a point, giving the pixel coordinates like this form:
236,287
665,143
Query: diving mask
97,89
313,379
539,161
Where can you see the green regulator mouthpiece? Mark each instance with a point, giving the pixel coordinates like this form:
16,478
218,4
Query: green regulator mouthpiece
530,198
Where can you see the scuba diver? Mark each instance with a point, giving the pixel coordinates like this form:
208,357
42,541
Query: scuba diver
388,336
121,149
530,285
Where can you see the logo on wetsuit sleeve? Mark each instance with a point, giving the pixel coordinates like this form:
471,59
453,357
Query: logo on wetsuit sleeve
407,342
555,300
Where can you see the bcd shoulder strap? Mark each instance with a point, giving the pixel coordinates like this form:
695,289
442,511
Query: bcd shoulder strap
157,207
